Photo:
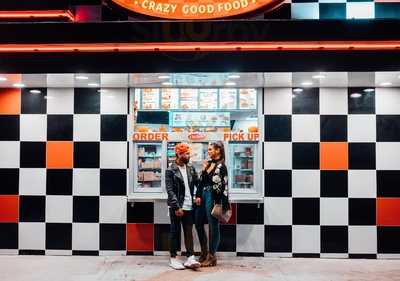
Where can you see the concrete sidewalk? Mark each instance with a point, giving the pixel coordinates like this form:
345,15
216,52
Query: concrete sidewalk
135,268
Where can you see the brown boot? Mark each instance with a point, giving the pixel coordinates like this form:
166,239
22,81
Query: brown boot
203,257
210,261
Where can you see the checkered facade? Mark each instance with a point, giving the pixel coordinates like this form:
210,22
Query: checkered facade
331,165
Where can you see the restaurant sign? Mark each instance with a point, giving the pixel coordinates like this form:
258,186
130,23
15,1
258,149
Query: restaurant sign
196,9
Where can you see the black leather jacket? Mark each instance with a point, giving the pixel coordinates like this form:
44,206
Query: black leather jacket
176,187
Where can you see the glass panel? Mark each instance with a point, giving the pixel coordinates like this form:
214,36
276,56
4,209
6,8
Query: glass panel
149,165
228,99
242,165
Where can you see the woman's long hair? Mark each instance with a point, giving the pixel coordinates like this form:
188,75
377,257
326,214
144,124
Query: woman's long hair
220,146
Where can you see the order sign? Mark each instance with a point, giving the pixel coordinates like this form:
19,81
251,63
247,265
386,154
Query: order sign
196,9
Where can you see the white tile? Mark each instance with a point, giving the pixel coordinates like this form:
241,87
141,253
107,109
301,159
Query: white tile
277,255
114,101
31,236
387,155
306,183
113,155
249,238
85,236
360,10
387,100
305,11
60,100
388,256
60,80
306,239
362,183
86,127
362,240
277,155
278,101
112,253
113,209
9,151
161,212
32,181
334,256
334,211
8,252
33,127
361,128
306,128
58,253
278,211
58,209
86,182
333,101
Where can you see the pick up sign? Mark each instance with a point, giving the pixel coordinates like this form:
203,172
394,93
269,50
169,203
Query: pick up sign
196,9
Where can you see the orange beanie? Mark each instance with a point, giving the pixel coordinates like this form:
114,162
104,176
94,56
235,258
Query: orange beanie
181,148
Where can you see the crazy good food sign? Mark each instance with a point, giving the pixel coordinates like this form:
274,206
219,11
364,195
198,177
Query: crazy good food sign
196,9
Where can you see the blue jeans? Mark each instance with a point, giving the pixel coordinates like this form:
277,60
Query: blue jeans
202,215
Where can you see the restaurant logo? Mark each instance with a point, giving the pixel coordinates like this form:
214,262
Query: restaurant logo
197,9
196,136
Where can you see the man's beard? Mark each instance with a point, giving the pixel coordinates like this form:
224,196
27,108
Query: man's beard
185,160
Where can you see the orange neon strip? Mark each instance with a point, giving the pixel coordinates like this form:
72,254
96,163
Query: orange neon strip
203,46
37,14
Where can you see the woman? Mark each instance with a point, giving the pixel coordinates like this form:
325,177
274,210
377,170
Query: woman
213,189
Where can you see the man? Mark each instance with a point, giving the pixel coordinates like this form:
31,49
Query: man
180,179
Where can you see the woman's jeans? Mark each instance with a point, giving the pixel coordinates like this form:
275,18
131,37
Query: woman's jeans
202,215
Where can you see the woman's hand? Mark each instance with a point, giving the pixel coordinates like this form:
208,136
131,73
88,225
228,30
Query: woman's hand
205,164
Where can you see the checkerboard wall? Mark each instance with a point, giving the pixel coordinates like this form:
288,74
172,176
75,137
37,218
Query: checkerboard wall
331,177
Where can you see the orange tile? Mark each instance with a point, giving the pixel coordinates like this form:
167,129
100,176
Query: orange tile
140,237
9,208
10,101
388,211
59,155
334,156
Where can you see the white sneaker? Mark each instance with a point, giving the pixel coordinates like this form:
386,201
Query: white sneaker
176,264
192,263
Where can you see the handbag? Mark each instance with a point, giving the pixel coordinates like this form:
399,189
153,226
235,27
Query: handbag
221,215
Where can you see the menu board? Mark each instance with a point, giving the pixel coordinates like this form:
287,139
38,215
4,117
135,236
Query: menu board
200,119
208,98
150,98
189,99
228,99
169,98
247,99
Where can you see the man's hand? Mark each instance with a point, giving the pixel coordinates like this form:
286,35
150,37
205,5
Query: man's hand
197,201
179,212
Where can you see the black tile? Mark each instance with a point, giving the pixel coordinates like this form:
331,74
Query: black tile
362,156
388,240
250,213
363,256
278,128
85,253
59,182
334,239
86,209
307,102
9,236
31,252
33,103
362,105
228,241
9,127
58,236
112,182
86,154
113,127
283,12
161,237
334,184
33,155
278,183
60,127
305,211
388,128
388,183
306,255
332,10
112,237
362,211
278,238
86,101
32,208
387,10
333,127
9,179
305,156
140,212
